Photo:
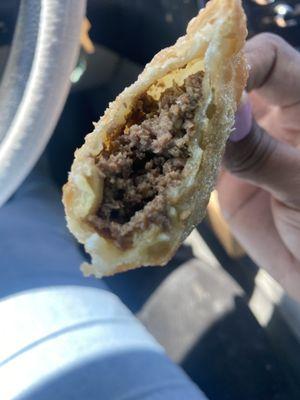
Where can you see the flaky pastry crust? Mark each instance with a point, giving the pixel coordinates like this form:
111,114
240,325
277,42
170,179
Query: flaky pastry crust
214,44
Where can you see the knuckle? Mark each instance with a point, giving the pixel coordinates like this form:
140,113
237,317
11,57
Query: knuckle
268,39
249,156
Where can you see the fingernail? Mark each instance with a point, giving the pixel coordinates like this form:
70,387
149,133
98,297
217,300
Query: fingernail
243,121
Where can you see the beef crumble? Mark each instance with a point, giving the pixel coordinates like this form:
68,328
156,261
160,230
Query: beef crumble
143,160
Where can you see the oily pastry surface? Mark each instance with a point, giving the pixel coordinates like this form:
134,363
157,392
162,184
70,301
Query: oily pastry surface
208,58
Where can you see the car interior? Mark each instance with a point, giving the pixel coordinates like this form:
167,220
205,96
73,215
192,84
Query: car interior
219,317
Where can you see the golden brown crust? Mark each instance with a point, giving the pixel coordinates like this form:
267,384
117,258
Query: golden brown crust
213,43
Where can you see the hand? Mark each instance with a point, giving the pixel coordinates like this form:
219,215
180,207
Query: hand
259,193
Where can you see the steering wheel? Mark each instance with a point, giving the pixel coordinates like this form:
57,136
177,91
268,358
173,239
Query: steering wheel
35,84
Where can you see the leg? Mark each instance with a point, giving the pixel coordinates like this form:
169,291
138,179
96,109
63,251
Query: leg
63,340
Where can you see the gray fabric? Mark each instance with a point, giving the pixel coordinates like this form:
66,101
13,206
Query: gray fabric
36,248
72,342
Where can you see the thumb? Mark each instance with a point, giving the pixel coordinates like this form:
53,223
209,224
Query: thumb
254,155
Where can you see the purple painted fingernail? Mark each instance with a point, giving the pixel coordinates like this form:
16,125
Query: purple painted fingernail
243,121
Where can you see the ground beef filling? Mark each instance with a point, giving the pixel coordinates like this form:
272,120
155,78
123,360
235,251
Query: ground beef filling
145,159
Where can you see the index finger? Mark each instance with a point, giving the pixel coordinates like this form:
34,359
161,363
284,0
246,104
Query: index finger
274,69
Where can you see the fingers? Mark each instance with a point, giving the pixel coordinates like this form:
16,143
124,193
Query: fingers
274,69
268,163
256,156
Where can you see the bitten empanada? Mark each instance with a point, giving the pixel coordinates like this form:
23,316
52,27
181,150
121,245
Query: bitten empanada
143,177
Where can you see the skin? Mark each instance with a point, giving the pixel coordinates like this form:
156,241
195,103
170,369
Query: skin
259,191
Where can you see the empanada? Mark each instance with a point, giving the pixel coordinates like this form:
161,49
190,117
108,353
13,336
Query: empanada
143,177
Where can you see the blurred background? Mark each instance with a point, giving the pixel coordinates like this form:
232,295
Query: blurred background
227,323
